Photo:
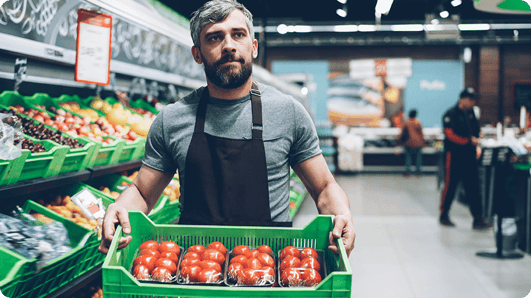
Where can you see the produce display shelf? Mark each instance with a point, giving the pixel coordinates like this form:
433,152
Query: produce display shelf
73,286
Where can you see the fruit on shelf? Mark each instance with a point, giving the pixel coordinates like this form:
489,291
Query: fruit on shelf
30,145
117,114
74,107
65,207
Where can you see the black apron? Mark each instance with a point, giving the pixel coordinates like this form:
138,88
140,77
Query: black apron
226,179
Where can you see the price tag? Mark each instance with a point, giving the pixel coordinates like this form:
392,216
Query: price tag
93,54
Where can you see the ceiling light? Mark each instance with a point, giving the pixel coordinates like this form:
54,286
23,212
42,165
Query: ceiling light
444,14
467,55
345,28
456,3
383,7
408,27
435,22
366,28
342,1
304,90
473,27
341,12
515,32
300,29
282,29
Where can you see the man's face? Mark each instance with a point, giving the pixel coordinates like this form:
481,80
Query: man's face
227,51
468,103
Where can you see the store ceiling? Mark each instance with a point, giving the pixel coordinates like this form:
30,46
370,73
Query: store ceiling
358,11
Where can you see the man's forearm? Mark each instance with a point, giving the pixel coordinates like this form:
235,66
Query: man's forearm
132,199
333,200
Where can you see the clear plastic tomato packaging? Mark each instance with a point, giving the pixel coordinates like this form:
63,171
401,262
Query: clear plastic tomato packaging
300,267
250,266
202,265
157,262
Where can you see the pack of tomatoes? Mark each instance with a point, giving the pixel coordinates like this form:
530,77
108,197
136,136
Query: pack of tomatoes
157,261
251,267
300,267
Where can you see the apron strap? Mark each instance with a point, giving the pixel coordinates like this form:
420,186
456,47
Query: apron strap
257,112
201,111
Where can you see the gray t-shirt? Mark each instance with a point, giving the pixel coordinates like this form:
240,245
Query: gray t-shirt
288,133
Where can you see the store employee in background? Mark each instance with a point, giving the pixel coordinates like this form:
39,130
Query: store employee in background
461,131
233,142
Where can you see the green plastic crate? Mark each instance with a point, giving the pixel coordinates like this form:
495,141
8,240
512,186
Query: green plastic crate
104,154
44,164
133,150
58,272
142,104
10,168
14,266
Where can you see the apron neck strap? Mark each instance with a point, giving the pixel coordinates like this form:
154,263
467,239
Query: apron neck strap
256,105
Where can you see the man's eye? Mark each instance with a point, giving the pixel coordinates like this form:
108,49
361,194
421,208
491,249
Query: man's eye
213,38
239,34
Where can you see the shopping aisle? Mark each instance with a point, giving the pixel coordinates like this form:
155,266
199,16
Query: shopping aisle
401,251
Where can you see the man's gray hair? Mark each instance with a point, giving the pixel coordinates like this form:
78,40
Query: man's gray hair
216,11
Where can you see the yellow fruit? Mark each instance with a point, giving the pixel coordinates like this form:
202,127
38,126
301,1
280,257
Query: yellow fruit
97,104
117,117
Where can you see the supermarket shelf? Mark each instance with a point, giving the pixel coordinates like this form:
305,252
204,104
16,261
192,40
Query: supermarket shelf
392,150
119,167
390,169
76,284
36,185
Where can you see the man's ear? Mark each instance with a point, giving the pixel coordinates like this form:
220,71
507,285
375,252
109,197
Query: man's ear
196,53
255,48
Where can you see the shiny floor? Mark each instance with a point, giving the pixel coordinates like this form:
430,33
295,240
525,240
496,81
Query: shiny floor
401,250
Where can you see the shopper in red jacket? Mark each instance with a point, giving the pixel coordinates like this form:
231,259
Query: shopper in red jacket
232,142
412,138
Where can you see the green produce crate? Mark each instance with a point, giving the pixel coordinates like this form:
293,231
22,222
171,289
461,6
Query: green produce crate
133,150
25,282
14,267
11,168
118,281
295,200
104,154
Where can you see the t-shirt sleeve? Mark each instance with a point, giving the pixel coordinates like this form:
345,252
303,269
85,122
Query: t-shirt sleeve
157,155
305,142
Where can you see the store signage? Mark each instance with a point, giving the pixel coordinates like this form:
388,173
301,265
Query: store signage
433,85
93,53
367,68
380,68
504,6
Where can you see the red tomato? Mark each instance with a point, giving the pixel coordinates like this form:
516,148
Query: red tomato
290,262
239,259
161,274
214,255
289,251
241,250
208,276
308,252
265,249
190,262
170,246
254,253
199,249
291,277
190,273
147,261
248,277
141,272
149,252
218,246
234,269
266,260
253,263
267,274
310,262
192,255
151,244
170,255
166,263
310,277
209,264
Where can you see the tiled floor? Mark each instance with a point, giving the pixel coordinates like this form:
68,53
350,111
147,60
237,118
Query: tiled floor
401,251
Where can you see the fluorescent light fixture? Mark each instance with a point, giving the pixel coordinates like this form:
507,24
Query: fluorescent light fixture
408,27
473,27
341,12
282,29
366,28
300,29
467,55
383,6
444,14
456,3
342,1
346,28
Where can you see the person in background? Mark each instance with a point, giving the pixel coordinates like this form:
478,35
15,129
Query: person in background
461,131
412,138
233,143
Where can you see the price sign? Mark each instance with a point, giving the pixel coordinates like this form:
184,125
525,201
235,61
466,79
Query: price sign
93,55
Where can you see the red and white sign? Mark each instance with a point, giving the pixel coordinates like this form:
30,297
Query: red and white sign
93,54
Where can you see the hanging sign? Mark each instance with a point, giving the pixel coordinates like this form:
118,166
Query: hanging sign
93,52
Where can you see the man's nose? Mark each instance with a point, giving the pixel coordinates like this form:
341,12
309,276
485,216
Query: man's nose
229,44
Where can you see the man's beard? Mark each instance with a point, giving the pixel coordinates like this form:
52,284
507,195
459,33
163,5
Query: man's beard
224,77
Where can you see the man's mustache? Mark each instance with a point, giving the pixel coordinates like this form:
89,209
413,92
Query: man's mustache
227,58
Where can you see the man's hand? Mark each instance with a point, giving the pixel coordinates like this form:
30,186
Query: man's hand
115,215
343,228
